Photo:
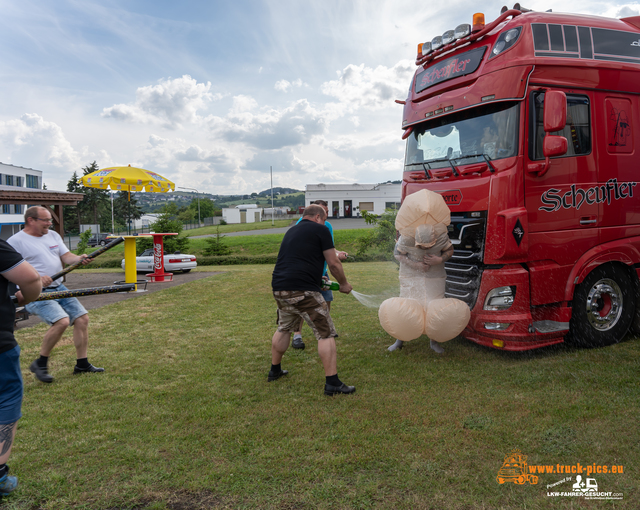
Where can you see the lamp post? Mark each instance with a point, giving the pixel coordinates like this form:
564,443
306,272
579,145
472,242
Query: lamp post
198,197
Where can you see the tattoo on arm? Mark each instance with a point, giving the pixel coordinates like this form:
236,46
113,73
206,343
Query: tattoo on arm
6,437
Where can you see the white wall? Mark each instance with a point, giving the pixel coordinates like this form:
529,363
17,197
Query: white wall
10,220
358,194
233,215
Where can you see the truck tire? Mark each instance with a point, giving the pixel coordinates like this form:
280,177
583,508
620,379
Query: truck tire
103,243
604,305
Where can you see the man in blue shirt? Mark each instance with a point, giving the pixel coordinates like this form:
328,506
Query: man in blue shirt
326,294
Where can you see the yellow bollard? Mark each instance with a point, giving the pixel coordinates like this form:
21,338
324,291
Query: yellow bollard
130,268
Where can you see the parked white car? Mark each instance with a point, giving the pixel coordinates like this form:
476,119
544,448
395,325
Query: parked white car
173,262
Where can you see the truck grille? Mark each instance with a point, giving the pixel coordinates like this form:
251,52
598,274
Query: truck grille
464,269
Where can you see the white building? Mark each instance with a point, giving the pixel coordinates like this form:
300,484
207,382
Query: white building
347,200
14,178
245,213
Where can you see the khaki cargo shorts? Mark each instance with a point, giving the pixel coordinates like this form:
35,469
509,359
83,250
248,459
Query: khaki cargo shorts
308,305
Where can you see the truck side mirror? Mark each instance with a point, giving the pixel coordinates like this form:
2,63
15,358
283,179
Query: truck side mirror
554,146
555,111
554,119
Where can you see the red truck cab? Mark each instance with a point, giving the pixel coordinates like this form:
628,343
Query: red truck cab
528,126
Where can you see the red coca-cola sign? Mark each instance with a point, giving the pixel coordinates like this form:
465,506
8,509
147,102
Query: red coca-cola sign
157,257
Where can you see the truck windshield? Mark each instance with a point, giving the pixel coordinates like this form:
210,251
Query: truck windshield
466,137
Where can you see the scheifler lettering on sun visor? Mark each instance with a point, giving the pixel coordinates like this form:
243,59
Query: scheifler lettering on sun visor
454,67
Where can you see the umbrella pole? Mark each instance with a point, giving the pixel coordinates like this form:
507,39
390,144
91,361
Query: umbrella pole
129,209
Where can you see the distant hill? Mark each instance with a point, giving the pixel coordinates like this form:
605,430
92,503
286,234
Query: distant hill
281,191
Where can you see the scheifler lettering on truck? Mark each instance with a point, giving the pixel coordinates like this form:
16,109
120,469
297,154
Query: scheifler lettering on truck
553,199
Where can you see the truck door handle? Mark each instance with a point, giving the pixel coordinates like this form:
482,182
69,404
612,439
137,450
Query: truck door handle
588,220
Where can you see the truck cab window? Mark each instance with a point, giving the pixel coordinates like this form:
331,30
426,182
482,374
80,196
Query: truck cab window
465,137
577,130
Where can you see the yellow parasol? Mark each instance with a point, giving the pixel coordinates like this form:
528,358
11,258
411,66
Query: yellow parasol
127,178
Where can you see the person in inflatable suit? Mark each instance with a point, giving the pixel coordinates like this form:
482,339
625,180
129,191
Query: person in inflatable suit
422,273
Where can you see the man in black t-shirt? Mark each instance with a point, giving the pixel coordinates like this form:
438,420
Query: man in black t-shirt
296,288
13,268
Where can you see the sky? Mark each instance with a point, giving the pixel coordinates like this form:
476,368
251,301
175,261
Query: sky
213,94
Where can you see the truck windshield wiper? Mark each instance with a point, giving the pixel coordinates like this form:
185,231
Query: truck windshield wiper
442,160
478,155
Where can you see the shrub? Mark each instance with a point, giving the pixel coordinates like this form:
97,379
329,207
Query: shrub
215,245
84,239
166,223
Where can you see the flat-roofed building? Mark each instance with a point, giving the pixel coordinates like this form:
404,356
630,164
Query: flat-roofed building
348,200
16,178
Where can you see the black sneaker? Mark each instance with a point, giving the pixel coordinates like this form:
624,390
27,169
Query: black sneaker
274,376
334,390
297,343
89,370
42,374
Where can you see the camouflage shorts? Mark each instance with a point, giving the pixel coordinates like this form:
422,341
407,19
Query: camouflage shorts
308,305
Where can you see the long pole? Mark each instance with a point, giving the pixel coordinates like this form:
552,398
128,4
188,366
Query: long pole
113,228
272,211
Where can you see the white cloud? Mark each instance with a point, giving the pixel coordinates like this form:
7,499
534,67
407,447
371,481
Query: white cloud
628,11
170,103
370,88
33,141
268,128
286,86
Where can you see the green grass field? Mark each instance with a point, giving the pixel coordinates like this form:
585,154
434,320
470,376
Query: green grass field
184,418
251,245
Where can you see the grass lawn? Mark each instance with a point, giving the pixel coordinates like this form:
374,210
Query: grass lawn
237,227
184,418
261,244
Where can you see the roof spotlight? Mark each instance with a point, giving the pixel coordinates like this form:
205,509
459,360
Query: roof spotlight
448,37
462,31
436,42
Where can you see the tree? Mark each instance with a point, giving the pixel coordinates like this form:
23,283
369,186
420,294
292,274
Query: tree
167,222
96,201
382,238
207,208
125,209
71,213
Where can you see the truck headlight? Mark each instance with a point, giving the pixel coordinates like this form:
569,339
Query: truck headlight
505,41
500,298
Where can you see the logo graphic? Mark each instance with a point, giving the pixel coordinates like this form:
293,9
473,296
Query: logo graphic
553,199
451,196
518,232
589,486
515,469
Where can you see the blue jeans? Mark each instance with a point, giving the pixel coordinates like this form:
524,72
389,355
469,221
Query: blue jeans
10,386
53,310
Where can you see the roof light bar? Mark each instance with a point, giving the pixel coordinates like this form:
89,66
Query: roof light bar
436,42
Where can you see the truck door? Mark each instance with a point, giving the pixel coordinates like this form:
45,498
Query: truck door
618,163
565,197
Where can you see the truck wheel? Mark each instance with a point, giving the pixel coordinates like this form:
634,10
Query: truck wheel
604,305
102,243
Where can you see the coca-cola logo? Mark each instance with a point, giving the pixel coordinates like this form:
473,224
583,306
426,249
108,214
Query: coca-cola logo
157,256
